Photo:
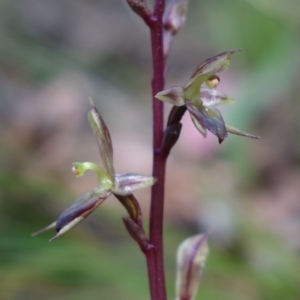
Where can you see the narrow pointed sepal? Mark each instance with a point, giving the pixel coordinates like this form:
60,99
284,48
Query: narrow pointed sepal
49,227
126,184
212,97
68,227
83,206
209,118
211,66
73,215
236,131
191,257
173,95
103,139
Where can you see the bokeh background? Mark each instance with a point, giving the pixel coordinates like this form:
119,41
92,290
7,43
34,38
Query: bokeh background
245,193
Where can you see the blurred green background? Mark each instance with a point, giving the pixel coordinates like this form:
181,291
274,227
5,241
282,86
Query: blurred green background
245,193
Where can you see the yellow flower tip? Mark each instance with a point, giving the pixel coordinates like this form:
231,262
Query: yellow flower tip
77,169
213,81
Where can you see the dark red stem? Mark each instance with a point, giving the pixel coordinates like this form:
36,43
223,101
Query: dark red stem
155,262
154,254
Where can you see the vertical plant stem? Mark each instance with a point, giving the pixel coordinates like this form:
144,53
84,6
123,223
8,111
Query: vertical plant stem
155,262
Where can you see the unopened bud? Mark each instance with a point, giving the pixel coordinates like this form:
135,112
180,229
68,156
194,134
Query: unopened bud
191,257
175,15
174,19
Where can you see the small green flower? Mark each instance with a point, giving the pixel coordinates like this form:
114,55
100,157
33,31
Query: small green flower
200,97
121,185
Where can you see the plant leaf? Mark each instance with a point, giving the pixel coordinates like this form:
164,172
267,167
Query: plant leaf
103,139
126,184
84,205
209,118
191,257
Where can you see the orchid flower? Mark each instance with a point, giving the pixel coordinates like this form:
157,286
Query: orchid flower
200,97
121,185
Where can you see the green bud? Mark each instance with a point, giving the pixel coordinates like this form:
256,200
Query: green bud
191,257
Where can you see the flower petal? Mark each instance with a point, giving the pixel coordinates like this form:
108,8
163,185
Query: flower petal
211,97
213,65
78,211
191,257
103,139
209,118
200,128
236,131
126,184
173,95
